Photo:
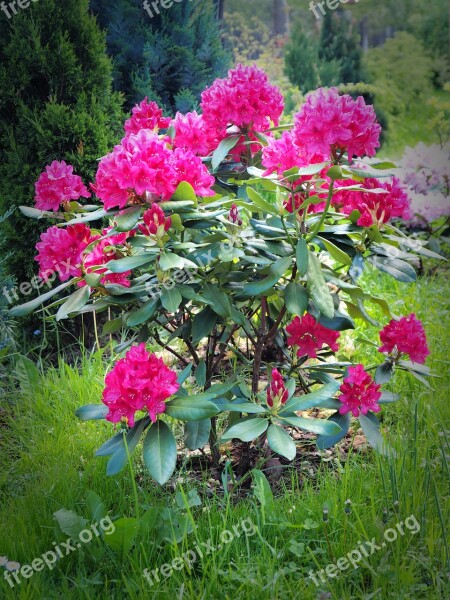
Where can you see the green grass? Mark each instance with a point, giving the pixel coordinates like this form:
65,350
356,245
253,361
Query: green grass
47,464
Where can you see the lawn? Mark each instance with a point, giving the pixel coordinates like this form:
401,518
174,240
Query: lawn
276,539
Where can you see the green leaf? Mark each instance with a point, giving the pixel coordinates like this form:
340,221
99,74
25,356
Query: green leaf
318,289
216,299
122,539
92,412
399,269
246,430
200,373
196,433
119,457
110,446
302,256
160,452
262,489
112,326
296,298
339,255
188,500
388,397
203,323
245,407
168,261
69,522
184,374
25,309
260,203
384,372
327,441
130,262
319,426
223,150
185,191
27,374
36,213
276,270
322,398
371,428
143,314
281,442
191,408
171,299
96,506
340,322
74,303
128,219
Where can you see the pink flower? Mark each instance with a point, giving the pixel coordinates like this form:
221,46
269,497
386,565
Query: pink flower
328,123
405,336
155,222
104,251
56,185
190,168
276,392
146,115
245,99
61,250
194,134
140,381
143,167
281,155
359,393
375,208
310,336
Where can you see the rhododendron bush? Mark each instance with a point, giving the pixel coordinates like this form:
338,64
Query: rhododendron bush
237,245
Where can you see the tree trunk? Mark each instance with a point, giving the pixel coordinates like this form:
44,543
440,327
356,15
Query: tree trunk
220,8
280,13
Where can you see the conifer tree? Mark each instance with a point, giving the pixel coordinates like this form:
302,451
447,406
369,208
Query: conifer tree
169,55
56,103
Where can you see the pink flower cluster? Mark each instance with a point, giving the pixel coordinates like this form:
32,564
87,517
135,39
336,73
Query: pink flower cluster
155,222
276,392
140,381
283,154
375,208
328,123
146,115
310,336
143,165
64,251
104,251
245,99
193,133
56,185
359,393
61,251
405,336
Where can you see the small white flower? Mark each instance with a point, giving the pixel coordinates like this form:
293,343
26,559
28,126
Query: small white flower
3,561
12,566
